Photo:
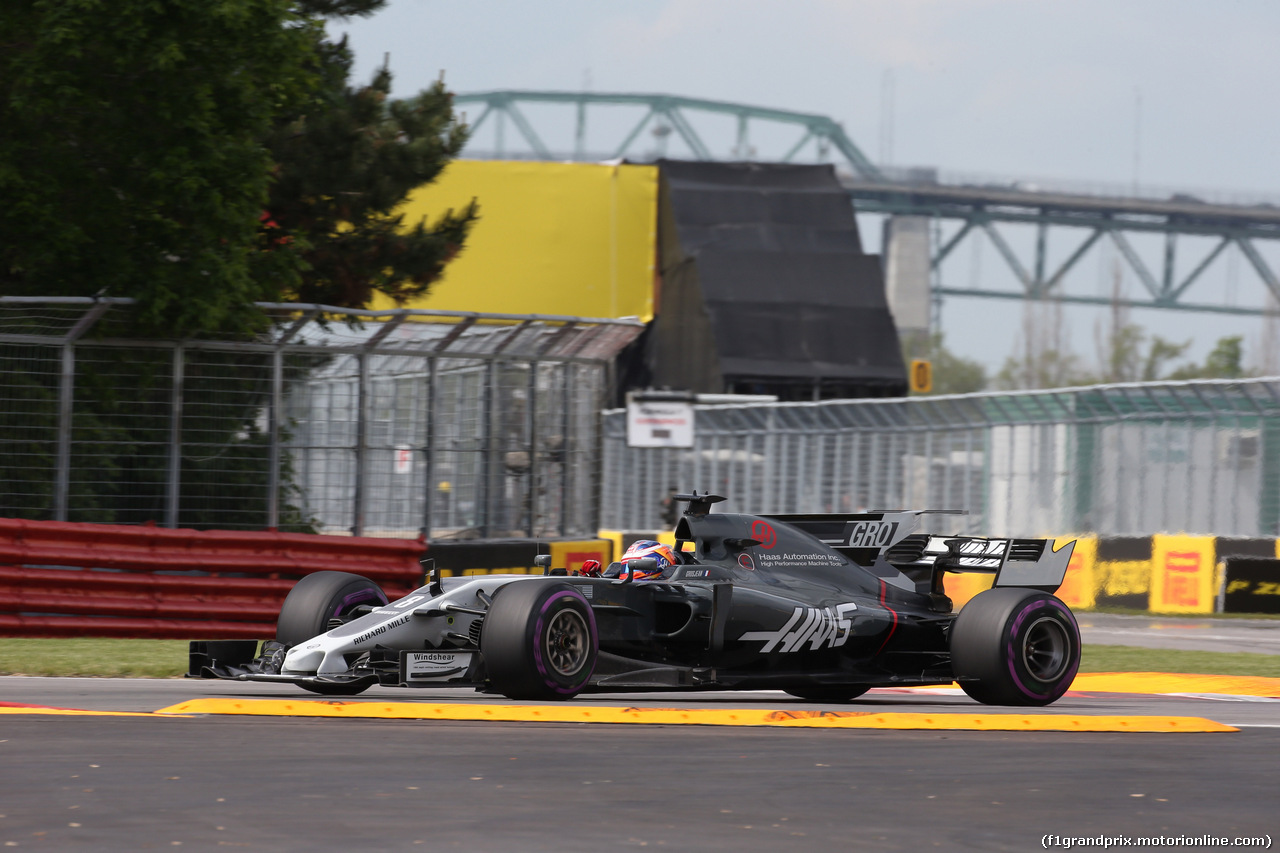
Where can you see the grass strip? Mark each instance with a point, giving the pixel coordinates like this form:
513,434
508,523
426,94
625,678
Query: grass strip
93,656
117,658
1097,658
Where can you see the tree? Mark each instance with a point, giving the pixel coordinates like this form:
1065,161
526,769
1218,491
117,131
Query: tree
143,142
132,160
1224,362
1123,358
196,156
344,166
1044,368
1045,360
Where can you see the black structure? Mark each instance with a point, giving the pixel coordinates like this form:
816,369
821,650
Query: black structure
763,287
1252,585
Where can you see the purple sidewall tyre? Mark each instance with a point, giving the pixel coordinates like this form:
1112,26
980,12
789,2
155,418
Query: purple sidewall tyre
319,597
539,640
311,606
1015,646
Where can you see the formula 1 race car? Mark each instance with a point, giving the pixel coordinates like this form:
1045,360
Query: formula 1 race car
824,607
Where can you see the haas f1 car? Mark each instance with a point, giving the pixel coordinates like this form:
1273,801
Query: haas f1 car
824,607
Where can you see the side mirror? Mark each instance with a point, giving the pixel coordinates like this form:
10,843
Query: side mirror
646,565
431,580
543,561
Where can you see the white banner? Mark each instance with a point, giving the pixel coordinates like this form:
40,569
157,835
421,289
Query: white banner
659,424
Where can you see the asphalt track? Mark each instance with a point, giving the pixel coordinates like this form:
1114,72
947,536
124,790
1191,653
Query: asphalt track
213,782
286,783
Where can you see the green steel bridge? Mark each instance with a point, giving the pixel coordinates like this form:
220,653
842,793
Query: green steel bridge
973,206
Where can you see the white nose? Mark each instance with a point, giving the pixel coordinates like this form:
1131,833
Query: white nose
302,660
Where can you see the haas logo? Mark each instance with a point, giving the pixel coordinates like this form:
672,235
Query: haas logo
764,531
820,627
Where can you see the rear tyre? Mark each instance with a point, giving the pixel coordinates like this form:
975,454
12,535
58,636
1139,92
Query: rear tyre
539,641
313,603
1013,646
830,695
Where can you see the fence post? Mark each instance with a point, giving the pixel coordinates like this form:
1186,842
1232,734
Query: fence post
1235,475
276,408
485,492
564,449
362,425
768,501
66,397
531,414
948,440
606,391
175,437
273,452
971,519
429,490
66,401
1008,495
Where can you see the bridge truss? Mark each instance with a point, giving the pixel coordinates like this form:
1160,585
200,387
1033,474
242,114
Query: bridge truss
662,115
970,209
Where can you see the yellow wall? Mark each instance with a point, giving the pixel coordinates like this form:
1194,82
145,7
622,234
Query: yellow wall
565,554
571,555
1183,574
1079,587
614,538
553,238
960,587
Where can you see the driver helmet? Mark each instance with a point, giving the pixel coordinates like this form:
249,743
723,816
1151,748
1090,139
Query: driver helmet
643,549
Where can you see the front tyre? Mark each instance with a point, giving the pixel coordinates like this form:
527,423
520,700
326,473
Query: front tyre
317,601
1014,646
321,598
539,641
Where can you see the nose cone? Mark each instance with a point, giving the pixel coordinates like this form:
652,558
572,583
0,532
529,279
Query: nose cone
300,659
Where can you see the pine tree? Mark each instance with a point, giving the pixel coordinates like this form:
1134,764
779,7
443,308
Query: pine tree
201,156
131,150
197,157
345,162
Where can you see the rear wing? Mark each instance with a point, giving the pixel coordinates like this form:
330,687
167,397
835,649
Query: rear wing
870,536
1032,563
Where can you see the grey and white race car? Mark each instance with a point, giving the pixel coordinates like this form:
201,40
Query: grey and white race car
824,607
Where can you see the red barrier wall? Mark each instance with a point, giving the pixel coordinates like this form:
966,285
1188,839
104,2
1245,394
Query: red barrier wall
119,581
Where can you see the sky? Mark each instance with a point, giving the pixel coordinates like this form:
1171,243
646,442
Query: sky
1173,94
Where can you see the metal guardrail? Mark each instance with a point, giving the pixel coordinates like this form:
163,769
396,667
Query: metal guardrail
393,422
173,583
1130,459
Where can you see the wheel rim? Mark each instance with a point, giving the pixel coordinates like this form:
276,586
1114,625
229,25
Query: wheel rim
1047,649
567,639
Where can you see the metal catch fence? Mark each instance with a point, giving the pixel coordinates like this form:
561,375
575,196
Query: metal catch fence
375,423
1131,459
